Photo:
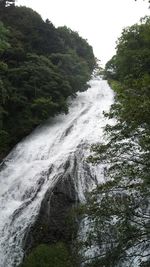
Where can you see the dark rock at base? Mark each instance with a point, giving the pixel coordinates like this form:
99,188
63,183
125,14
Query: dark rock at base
54,222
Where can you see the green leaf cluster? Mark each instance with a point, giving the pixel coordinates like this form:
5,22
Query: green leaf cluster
56,255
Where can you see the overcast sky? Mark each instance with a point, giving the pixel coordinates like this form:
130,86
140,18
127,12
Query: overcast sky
99,21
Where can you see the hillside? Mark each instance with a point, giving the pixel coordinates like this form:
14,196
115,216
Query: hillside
40,66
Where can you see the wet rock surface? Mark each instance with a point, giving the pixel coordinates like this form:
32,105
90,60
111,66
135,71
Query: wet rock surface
54,222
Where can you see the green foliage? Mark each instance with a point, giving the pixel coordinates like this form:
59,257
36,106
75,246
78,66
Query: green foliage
119,223
3,38
72,41
4,137
40,66
74,69
56,255
118,211
132,59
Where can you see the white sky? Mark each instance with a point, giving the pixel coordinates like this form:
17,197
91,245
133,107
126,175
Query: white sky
99,21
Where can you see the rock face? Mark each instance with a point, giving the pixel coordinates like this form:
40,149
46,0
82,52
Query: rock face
53,222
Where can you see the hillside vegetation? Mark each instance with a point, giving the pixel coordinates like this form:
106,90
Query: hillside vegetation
40,66
118,211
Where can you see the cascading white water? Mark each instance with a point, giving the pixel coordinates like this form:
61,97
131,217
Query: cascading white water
35,164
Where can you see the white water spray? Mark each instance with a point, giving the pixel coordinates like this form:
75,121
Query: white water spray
35,164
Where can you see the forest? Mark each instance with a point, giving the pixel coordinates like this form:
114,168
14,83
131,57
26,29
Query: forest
40,67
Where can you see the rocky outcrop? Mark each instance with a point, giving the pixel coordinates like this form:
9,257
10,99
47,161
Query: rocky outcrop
54,222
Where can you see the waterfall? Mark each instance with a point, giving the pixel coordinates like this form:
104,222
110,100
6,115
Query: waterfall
36,163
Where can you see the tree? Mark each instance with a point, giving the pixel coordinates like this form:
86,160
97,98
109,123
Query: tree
4,33
133,52
38,72
118,211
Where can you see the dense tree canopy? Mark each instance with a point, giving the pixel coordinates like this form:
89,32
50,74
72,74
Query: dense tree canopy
40,66
56,255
